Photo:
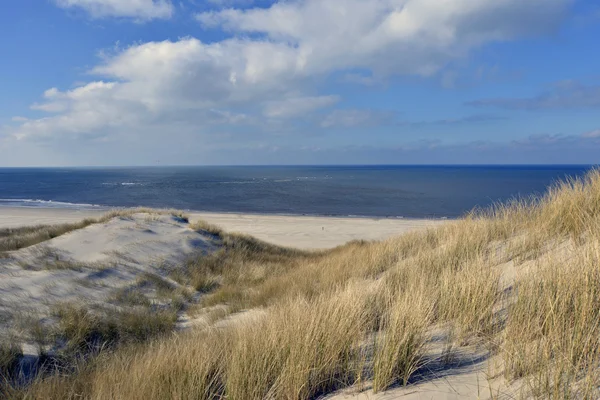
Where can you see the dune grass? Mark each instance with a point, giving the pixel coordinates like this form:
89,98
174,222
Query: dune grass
230,274
85,334
10,354
84,329
363,313
400,344
553,327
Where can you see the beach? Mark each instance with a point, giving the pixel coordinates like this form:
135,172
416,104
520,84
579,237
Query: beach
304,232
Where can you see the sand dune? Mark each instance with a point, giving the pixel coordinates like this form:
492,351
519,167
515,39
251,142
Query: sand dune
90,265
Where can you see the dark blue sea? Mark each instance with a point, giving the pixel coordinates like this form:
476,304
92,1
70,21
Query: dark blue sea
373,191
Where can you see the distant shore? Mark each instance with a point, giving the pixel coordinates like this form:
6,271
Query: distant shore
307,232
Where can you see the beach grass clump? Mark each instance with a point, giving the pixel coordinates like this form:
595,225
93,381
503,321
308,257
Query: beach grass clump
400,345
178,296
10,354
305,347
468,298
205,227
85,330
130,296
188,366
129,212
162,286
571,205
203,272
228,274
10,357
553,326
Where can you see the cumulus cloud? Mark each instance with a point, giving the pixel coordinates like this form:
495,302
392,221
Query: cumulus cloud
389,36
275,62
563,95
138,9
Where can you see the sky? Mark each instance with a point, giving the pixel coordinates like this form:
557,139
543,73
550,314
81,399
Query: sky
237,82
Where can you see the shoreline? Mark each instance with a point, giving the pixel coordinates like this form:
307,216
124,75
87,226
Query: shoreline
299,231
104,209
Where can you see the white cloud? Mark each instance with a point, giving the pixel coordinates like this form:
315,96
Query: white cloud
275,72
82,111
138,9
389,36
187,82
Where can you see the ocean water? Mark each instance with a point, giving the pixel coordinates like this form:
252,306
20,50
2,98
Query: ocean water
374,191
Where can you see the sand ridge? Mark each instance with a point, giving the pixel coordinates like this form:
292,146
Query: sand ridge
89,264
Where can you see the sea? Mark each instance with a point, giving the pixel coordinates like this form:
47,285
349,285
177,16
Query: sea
388,191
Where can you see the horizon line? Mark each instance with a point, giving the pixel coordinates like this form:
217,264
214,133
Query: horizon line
305,165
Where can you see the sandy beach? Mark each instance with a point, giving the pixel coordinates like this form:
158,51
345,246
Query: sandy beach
306,232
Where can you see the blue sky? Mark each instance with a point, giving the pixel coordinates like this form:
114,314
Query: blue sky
161,82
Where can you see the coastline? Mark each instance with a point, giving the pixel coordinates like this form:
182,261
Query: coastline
300,231
59,205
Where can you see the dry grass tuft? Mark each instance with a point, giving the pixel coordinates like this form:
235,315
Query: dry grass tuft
400,346
321,342
10,354
553,327
203,226
85,330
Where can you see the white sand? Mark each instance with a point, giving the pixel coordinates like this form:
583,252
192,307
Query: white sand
469,383
293,231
